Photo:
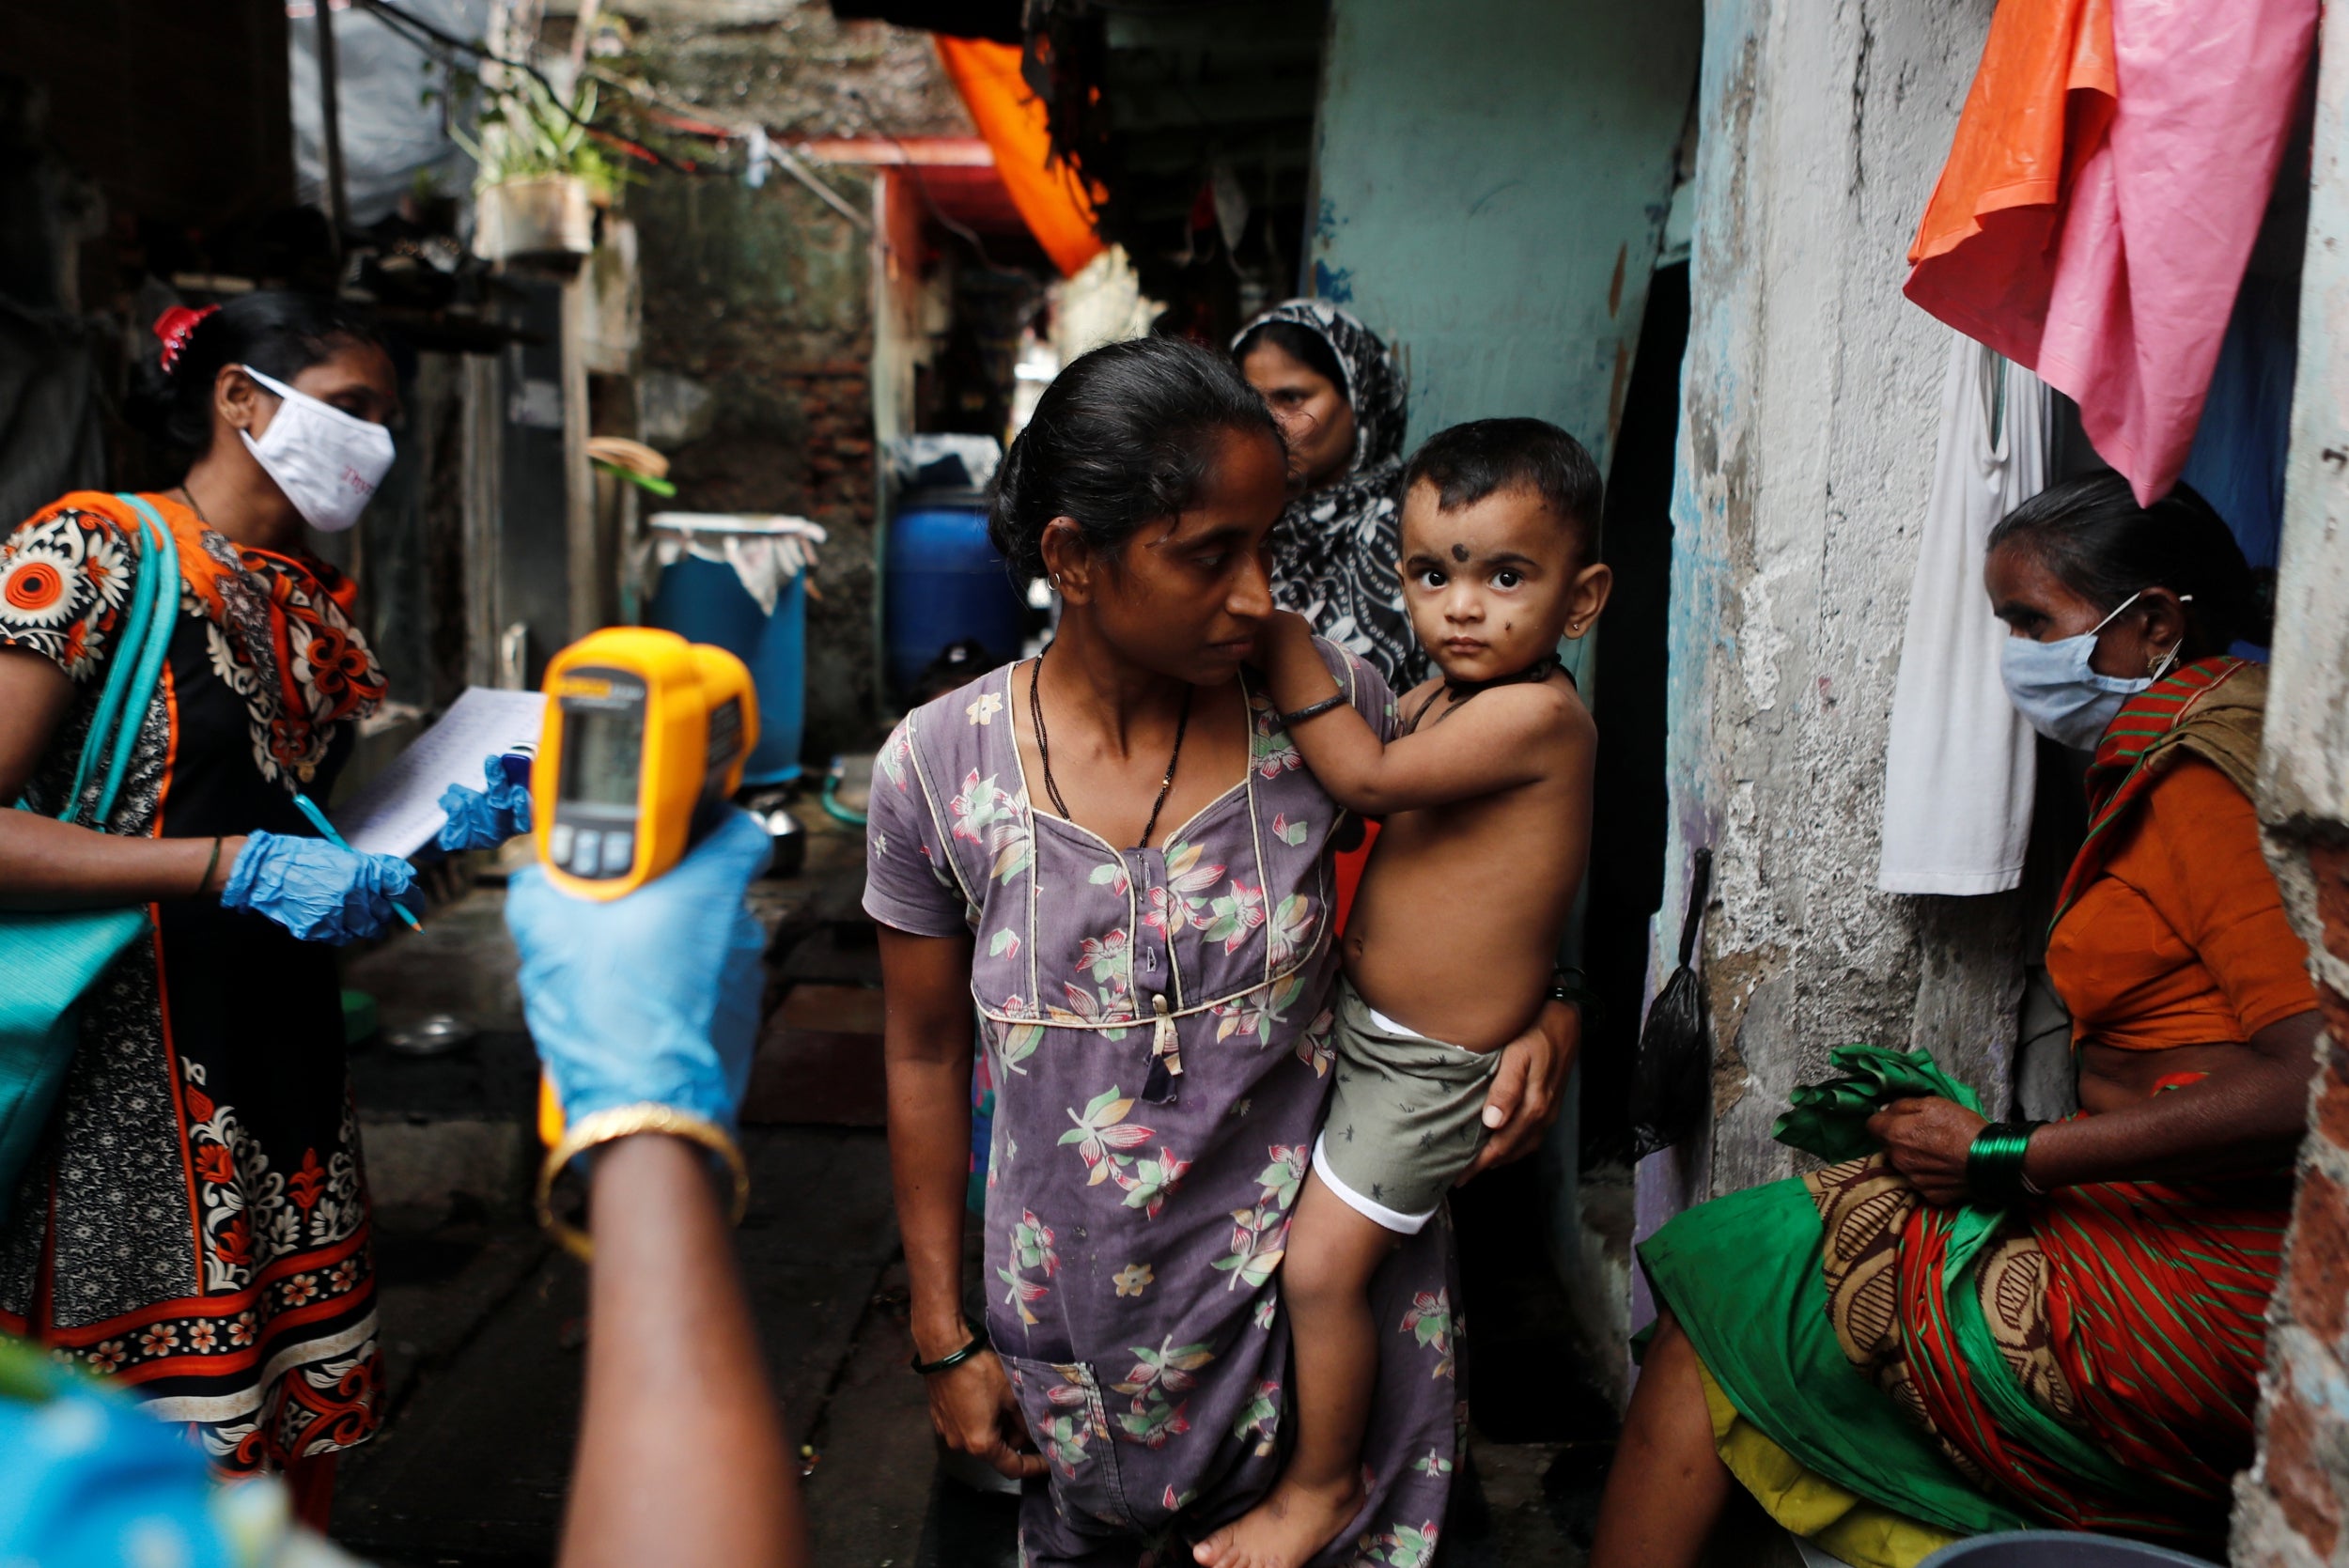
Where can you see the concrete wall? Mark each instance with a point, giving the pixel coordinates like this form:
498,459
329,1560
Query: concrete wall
1809,403
2291,1505
1491,180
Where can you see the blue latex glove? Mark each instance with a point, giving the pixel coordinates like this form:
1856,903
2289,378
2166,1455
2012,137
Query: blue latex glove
318,892
654,997
479,819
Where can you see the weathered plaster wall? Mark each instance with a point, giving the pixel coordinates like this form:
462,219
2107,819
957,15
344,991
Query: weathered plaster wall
791,67
1810,402
2289,1507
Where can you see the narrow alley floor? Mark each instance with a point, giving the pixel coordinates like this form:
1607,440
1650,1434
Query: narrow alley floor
484,1321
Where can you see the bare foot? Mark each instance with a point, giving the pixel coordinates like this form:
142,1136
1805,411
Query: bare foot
1285,1529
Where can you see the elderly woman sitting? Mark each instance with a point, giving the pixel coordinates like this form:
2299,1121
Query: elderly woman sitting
1977,1329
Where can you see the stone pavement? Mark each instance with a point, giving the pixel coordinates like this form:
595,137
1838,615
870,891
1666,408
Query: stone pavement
483,1321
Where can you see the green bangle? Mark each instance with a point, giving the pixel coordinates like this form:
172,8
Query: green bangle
1994,1163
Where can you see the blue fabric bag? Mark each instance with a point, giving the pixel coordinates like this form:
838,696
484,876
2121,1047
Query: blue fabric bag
52,958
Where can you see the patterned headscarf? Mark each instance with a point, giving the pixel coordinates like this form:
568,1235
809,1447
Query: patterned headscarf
1336,547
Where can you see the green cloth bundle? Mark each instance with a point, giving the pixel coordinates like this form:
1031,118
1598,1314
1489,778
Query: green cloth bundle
1830,1119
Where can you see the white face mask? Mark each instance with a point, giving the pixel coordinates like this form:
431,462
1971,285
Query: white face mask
2053,686
328,462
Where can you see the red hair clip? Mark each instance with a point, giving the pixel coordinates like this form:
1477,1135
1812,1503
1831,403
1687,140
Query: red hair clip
175,326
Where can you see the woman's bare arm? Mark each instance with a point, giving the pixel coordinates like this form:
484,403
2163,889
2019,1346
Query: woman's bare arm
2249,1118
48,864
928,1042
682,1460
2244,1120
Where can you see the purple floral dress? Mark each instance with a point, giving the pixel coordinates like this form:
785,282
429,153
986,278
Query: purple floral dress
1158,1026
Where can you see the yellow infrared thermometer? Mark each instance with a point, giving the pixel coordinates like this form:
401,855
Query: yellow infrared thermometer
645,738
643,742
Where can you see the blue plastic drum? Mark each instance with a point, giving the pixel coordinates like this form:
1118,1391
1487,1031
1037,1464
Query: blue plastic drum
943,584
703,602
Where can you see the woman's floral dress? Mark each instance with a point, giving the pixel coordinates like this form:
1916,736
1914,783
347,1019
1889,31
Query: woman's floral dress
1158,1027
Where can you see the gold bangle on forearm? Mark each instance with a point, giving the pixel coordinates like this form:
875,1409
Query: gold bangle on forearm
626,1121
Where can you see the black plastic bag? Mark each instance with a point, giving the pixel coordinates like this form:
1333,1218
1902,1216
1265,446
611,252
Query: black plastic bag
1669,1080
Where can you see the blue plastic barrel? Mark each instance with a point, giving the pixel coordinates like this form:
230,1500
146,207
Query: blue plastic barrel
703,601
943,583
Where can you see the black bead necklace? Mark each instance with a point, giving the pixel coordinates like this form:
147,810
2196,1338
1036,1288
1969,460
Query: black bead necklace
1044,750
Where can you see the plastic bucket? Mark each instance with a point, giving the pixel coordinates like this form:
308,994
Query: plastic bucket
2056,1549
703,602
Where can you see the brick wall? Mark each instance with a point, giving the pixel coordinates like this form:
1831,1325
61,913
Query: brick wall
764,297
2290,1506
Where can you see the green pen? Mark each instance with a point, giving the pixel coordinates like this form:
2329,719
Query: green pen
317,820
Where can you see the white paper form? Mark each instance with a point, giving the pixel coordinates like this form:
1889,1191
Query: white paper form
398,811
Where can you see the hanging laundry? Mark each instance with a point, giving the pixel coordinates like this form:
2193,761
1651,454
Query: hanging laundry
2092,124
1961,764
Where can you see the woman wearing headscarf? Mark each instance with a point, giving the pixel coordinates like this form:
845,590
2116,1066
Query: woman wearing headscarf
1339,397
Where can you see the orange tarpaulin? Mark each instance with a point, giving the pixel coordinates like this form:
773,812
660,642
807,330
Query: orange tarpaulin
1052,198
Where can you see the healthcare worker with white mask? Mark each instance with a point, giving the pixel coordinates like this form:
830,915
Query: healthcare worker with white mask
188,1216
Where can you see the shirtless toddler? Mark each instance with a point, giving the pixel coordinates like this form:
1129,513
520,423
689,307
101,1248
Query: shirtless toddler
1486,801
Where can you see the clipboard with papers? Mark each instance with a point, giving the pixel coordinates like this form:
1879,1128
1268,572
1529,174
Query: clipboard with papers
398,811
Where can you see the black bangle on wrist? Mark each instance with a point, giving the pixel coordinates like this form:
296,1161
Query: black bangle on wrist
1572,988
948,1364
1314,710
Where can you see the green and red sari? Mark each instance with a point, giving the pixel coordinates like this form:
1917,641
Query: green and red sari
2086,1360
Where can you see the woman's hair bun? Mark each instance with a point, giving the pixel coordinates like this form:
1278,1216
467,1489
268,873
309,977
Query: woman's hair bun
1124,436
2257,621
277,331
2102,545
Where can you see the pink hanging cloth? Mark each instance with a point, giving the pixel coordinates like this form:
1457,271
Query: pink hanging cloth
2101,198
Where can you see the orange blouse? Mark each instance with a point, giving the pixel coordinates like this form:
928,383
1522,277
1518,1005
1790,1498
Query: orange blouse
2183,941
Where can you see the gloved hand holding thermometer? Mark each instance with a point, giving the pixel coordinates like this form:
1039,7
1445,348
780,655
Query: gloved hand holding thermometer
641,973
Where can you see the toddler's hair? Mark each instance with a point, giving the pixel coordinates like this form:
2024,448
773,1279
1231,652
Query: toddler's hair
1469,463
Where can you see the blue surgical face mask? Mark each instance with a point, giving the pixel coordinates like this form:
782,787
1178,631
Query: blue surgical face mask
2052,685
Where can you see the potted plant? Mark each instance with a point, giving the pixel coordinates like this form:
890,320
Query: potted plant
542,176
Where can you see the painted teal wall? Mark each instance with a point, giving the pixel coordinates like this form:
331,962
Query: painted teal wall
1493,179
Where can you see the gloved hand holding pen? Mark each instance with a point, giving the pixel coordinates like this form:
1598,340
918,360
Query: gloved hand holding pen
320,892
